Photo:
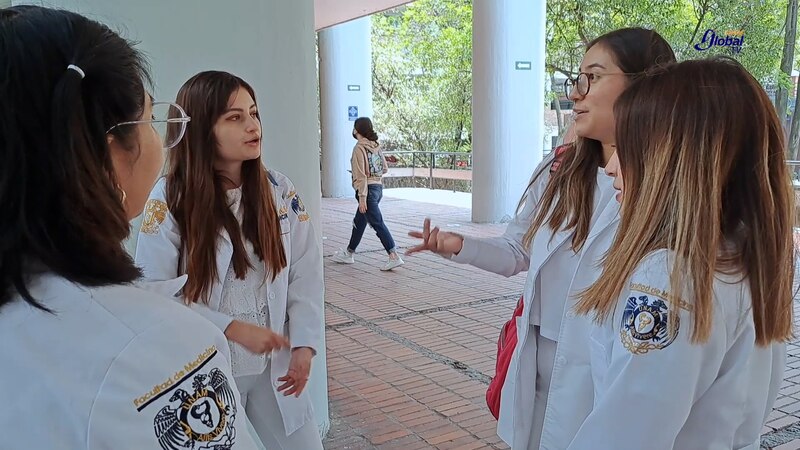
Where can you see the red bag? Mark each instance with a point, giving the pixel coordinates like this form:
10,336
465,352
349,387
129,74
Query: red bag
508,334
505,349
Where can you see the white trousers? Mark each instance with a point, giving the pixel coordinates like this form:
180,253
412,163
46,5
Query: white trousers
261,407
545,359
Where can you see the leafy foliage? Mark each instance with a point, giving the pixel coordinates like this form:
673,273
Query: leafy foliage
422,54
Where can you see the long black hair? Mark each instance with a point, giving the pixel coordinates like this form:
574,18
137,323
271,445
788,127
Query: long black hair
61,211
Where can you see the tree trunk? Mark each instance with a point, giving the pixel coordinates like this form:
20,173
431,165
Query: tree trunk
789,39
794,129
701,15
558,103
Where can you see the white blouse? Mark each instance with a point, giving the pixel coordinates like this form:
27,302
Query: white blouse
245,300
550,298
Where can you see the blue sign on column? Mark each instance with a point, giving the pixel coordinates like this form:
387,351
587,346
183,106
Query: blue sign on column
352,113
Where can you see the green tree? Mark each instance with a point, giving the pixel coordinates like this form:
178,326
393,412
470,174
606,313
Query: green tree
572,25
422,54
422,75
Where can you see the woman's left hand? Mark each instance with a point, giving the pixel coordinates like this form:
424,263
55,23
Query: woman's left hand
362,205
296,377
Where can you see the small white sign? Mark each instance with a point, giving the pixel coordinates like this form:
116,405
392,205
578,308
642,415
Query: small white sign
522,65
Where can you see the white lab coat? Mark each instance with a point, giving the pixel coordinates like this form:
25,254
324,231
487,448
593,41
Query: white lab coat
660,392
295,298
571,396
115,367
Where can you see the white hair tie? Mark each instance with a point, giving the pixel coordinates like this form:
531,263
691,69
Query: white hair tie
77,69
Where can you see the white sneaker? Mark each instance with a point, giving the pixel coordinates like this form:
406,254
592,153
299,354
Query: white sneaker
392,263
343,256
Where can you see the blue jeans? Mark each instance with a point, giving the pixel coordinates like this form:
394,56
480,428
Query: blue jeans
374,218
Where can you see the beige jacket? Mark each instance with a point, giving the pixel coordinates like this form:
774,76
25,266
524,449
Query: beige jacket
368,165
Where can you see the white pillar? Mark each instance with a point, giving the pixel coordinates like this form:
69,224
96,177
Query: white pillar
345,91
508,83
271,45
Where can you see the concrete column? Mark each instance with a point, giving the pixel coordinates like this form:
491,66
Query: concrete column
345,73
270,44
508,84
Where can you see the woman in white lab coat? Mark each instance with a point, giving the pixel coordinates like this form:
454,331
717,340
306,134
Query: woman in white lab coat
566,221
695,297
90,360
242,235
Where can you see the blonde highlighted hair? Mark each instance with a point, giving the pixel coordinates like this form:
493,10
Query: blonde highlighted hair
702,152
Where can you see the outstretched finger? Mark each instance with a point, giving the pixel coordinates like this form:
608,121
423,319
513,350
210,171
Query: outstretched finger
416,249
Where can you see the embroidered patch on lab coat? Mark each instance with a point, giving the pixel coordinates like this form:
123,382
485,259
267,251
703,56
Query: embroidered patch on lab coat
644,324
154,214
282,213
199,408
299,208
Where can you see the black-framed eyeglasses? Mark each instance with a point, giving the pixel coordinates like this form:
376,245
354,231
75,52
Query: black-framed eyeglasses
582,83
169,120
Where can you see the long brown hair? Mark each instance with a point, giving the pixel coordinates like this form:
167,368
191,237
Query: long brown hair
364,127
197,199
568,197
718,194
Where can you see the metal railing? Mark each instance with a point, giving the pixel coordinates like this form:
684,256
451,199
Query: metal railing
433,165
457,166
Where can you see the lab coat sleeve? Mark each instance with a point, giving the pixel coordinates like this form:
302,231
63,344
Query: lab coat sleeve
158,250
306,291
178,363
651,380
506,255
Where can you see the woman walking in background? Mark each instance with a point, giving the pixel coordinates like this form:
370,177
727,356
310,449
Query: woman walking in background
368,166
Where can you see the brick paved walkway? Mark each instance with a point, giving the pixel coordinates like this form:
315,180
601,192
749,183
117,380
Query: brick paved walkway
410,352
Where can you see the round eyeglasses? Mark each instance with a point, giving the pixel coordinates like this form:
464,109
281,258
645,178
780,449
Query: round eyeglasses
169,120
582,82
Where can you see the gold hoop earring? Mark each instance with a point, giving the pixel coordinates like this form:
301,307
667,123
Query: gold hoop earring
123,196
